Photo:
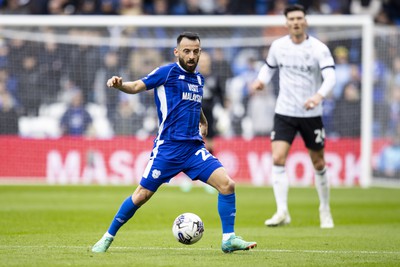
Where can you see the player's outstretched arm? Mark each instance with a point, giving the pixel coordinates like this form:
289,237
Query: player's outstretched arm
126,87
264,77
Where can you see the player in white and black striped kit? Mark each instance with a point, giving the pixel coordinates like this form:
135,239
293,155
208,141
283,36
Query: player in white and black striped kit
306,75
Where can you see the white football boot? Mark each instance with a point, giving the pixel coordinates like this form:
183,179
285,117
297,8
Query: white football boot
278,219
325,218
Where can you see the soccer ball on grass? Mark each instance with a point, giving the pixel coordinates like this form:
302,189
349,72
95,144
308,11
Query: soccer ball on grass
188,228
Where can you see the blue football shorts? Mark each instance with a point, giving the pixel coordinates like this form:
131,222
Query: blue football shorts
169,158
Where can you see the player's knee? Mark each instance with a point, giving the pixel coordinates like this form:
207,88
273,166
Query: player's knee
227,187
319,165
278,160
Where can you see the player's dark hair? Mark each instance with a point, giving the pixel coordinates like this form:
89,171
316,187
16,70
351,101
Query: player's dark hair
295,7
190,35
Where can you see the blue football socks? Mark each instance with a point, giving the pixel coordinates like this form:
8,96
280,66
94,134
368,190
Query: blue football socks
125,212
227,212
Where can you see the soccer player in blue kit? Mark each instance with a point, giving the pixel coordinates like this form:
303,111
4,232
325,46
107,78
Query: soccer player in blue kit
179,145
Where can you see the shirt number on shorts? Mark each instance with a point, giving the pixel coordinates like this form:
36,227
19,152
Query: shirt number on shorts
320,135
204,153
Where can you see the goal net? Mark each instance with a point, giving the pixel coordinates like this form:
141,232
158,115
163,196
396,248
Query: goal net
50,64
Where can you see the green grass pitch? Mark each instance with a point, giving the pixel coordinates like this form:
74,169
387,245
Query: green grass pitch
57,225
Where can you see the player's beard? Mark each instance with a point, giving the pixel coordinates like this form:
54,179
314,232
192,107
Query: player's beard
186,67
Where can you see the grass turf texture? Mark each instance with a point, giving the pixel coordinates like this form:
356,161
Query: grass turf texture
57,225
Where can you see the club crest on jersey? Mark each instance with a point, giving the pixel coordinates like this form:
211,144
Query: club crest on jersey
181,77
155,174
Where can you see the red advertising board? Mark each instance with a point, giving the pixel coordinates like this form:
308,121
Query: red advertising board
122,160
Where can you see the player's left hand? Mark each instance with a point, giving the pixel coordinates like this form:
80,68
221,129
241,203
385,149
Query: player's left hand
313,101
203,129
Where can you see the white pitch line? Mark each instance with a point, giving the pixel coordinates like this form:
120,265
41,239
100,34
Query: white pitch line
214,249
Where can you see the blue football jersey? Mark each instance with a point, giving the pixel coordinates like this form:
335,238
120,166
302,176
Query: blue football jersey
178,95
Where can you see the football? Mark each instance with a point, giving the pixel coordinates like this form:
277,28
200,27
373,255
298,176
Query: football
188,228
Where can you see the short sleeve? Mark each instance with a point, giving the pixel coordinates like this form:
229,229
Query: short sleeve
271,58
156,78
325,58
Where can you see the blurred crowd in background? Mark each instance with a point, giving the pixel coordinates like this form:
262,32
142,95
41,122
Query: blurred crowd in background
75,76
384,11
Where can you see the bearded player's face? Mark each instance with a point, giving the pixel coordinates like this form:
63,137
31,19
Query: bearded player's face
188,54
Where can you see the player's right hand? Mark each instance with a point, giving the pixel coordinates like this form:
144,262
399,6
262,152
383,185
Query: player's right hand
257,85
115,82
